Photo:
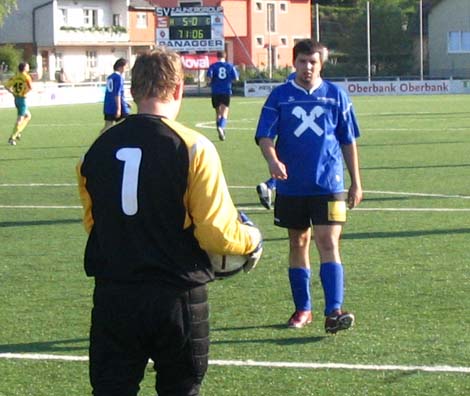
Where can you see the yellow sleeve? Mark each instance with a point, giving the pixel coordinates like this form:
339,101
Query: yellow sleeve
85,199
210,207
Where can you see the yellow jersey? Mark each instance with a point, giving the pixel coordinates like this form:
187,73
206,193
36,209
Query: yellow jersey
20,84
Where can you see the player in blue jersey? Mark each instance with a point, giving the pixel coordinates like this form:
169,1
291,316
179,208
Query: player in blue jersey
115,107
221,74
266,189
306,128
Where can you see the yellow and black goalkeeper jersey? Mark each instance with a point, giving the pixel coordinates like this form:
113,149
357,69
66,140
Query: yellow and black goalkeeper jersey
155,200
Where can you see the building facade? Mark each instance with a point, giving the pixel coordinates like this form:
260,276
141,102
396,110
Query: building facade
449,39
85,37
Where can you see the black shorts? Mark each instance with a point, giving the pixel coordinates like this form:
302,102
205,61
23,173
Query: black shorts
220,99
112,117
298,212
134,322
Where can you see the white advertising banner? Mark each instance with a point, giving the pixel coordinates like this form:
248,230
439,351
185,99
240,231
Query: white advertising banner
53,94
396,87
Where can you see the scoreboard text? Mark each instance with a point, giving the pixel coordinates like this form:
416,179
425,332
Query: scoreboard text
191,28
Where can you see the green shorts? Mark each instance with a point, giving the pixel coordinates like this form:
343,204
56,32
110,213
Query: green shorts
21,107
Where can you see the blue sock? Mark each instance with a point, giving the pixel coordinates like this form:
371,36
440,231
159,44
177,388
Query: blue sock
271,183
332,279
300,285
223,122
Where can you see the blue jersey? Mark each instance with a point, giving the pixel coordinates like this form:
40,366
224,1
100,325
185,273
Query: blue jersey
222,74
309,129
115,87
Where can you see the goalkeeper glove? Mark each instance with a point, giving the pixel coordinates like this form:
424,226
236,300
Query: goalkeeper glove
254,256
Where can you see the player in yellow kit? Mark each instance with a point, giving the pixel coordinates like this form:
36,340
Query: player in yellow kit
19,86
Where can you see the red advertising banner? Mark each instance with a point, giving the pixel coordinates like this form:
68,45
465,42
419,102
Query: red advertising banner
198,61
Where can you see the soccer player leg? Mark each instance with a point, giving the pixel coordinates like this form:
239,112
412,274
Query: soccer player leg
299,277
331,270
117,362
182,363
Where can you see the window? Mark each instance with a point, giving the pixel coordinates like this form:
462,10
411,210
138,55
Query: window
91,59
259,41
90,17
284,41
59,61
141,20
282,7
63,17
116,20
258,6
271,17
458,42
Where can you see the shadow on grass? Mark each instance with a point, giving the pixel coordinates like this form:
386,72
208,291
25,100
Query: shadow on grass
391,234
5,224
47,346
277,341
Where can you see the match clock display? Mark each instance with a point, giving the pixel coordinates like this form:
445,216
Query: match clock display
191,28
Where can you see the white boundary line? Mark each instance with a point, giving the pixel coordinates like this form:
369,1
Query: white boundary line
257,209
252,363
253,208
412,194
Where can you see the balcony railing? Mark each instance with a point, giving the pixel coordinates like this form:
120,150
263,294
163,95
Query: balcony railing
112,34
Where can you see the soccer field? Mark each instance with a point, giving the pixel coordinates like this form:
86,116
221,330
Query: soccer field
405,250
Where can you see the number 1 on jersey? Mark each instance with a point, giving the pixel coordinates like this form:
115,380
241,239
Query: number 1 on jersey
130,178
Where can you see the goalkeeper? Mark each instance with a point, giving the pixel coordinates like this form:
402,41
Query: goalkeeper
155,200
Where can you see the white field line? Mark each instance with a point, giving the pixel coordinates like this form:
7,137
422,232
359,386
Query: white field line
252,363
412,194
251,208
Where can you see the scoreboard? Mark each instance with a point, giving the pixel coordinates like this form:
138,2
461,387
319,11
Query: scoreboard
190,28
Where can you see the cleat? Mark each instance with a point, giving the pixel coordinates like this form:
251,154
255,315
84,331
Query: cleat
12,142
300,319
265,195
338,320
221,133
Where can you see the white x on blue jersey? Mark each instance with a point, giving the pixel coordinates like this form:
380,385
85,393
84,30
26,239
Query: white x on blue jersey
309,129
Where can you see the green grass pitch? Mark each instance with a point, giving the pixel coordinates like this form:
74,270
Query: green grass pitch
405,250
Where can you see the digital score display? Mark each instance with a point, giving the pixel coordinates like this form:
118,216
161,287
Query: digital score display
194,28
190,28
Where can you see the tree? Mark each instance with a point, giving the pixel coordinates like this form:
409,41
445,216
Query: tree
343,29
6,7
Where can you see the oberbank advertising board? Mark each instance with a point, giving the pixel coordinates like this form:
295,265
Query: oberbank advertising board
421,87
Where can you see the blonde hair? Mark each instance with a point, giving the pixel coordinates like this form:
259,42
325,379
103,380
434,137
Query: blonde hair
156,74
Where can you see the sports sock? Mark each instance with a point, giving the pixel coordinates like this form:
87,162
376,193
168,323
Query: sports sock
223,122
299,279
332,279
271,183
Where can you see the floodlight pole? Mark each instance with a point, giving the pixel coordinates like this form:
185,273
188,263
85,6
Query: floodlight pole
368,42
421,45
270,57
317,22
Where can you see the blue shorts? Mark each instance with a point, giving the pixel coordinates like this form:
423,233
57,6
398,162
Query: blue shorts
21,107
